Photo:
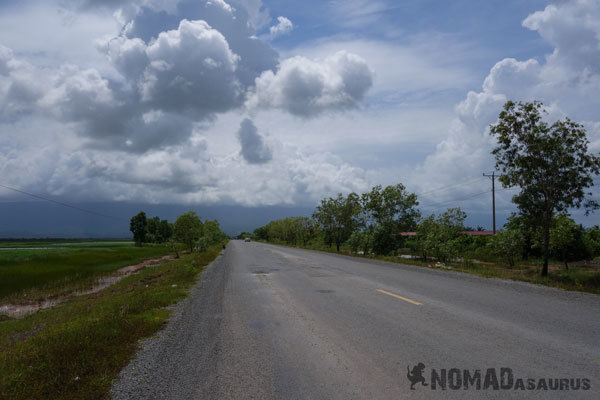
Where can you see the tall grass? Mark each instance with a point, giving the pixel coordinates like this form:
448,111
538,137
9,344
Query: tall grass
76,350
30,274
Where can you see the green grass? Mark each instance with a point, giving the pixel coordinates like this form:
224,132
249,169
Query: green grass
76,350
61,242
30,274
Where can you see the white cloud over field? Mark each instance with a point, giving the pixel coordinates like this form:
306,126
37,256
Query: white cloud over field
187,101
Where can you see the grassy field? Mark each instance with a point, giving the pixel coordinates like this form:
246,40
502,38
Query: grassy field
75,350
31,271
583,279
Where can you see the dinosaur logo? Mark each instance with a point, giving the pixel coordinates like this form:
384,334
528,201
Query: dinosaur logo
416,375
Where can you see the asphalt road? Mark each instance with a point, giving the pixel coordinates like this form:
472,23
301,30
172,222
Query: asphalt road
270,322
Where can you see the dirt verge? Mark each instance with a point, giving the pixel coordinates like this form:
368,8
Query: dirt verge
22,310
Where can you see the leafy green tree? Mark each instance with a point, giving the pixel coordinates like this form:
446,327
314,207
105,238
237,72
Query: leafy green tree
261,233
507,245
387,212
527,230
562,236
338,217
292,230
425,230
212,232
152,230
592,238
438,236
188,229
137,226
306,229
549,163
361,241
325,215
567,241
165,231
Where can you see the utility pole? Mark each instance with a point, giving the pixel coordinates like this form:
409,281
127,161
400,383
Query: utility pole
493,177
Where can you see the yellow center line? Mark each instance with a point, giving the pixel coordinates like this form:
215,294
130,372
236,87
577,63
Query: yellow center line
397,296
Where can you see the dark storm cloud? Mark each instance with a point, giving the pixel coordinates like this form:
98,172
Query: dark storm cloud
254,149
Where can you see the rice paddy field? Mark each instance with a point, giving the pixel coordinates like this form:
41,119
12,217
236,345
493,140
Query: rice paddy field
31,271
75,348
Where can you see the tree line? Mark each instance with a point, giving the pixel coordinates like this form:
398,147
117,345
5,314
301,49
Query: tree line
188,229
550,164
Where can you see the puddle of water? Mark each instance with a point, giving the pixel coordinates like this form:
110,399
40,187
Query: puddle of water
28,248
22,310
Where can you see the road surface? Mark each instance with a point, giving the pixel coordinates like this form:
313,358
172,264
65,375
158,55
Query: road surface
270,322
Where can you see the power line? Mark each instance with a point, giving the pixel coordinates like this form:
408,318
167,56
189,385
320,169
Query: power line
449,186
456,200
36,196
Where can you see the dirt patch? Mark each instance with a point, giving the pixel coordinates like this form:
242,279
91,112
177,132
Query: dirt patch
22,310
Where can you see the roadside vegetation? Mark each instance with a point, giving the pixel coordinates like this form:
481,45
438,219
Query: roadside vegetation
75,349
32,273
550,165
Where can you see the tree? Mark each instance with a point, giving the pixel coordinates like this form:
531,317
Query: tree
137,226
526,228
361,241
438,236
261,233
387,212
165,231
188,229
592,238
567,241
212,232
338,217
507,244
306,229
424,230
152,230
549,163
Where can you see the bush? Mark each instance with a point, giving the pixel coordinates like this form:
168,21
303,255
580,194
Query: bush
361,241
507,245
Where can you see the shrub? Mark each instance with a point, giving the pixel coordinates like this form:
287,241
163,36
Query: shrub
507,245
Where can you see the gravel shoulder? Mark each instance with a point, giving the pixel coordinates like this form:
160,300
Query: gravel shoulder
164,367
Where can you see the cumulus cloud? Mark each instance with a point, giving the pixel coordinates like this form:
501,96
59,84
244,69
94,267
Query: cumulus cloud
19,92
306,87
180,63
572,28
171,70
283,27
191,68
565,82
255,55
183,174
254,149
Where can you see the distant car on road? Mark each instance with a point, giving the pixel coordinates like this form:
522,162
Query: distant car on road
247,240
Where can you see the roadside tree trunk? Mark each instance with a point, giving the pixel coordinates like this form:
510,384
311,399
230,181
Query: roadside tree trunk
546,242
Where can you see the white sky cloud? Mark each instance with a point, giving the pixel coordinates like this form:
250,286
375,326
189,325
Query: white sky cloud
305,87
565,82
152,112
283,27
254,148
